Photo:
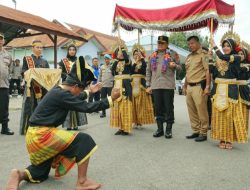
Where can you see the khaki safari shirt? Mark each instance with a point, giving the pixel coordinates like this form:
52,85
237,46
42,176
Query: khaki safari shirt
196,66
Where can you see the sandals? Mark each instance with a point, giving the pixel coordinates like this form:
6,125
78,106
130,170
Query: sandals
225,145
222,145
229,146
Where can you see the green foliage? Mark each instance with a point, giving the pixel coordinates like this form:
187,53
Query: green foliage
180,39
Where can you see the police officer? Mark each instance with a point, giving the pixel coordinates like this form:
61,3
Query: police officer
160,80
197,89
107,80
5,63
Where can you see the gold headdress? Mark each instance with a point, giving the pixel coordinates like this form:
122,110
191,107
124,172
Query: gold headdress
245,45
138,47
117,47
231,35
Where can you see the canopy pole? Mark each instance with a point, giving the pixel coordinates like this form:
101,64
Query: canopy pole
211,32
119,34
232,29
138,36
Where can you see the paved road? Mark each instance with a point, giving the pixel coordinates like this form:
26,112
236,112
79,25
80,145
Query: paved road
139,161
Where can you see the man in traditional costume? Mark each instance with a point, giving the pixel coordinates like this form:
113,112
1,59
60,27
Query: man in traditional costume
5,63
121,113
228,123
73,119
36,92
107,80
160,80
49,146
143,112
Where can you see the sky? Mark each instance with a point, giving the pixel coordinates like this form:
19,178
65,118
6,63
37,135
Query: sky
98,14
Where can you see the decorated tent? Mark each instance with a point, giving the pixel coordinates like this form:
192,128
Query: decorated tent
195,15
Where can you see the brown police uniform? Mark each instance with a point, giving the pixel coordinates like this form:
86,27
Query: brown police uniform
196,68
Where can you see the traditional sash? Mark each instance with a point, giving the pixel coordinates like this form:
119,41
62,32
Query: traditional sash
136,84
67,65
30,62
36,87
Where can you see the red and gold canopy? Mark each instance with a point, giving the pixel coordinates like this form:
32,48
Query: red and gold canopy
186,17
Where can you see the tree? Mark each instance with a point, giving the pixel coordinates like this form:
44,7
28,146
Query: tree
180,39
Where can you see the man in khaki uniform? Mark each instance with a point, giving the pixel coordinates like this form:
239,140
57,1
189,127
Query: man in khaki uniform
197,88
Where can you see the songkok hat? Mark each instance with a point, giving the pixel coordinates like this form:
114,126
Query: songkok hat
81,74
163,39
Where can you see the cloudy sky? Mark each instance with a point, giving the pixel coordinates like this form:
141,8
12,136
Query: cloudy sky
98,14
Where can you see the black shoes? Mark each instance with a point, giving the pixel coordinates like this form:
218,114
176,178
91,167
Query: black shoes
158,133
73,128
121,132
102,115
7,131
193,136
197,137
168,133
201,138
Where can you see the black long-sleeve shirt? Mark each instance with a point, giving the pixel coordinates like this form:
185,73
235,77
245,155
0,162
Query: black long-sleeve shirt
54,107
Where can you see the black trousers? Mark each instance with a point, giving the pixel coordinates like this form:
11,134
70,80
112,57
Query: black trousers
94,96
79,148
164,105
4,106
12,82
105,91
209,109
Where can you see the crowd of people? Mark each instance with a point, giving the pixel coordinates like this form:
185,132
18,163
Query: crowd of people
138,91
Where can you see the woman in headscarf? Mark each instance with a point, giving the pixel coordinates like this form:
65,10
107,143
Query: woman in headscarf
244,98
143,112
228,125
73,119
121,113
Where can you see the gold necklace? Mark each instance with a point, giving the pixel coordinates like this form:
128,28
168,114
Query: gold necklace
222,66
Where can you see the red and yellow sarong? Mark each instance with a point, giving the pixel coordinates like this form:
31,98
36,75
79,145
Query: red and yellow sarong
44,143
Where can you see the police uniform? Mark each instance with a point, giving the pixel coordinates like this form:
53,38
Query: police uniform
197,64
161,79
107,80
5,62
